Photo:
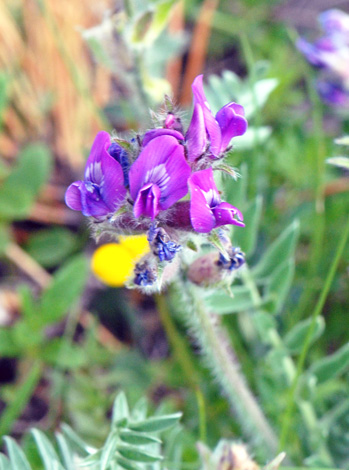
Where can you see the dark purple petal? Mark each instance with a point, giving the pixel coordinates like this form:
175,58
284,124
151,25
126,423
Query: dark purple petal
204,181
147,201
196,137
226,214
120,155
112,187
162,163
333,93
201,216
154,133
211,125
232,122
73,196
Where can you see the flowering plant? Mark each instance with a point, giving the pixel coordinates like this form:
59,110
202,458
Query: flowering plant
137,186
331,53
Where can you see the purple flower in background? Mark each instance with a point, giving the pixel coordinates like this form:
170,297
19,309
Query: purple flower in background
102,191
333,93
335,22
213,133
207,211
158,178
331,53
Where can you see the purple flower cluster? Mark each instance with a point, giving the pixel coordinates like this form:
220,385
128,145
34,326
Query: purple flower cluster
331,54
165,165
138,186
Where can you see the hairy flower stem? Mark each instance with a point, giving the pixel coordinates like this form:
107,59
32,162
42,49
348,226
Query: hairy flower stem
220,356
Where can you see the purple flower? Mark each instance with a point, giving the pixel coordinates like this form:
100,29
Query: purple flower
212,132
158,178
153,133
207,211
333,93
335,22
102,191
120,155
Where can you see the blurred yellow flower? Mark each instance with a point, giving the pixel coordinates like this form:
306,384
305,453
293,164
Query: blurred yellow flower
113,263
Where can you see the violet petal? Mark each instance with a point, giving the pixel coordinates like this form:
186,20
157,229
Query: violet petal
196,137
154,133
201,216
226,214
73,196
147,201
204,180
212,127
232,123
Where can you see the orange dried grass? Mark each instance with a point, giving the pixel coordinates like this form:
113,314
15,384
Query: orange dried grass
55,89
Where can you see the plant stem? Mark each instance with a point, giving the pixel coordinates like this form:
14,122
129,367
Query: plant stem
183,357
316,312
221,358
316,243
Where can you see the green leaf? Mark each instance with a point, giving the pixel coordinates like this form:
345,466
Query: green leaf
17,458
136,438
66,452
329,367
342,162
155,424
141,26
20,189
50,247
63,355
65,289
342,140
126,464
279,251
279,284
76,440
47,451
251,136
108,452
246,238
23,393
5,238
8,346
137,455
5,463
241,299
120,409
294,339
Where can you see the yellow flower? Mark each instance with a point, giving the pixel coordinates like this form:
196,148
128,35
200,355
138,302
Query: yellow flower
113,263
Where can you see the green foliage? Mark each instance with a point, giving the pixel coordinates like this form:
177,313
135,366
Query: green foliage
20,189
123,448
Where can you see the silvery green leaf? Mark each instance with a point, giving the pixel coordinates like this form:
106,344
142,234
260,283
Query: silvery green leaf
76,440
65,451
91,460
136,438
344,140
252,136
278,252
342,162
120,409
17,457
108,451
246,239
139,411
295,338
127,465
47,451
137,455
5,463
240,299
329,367
279,284
155,424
